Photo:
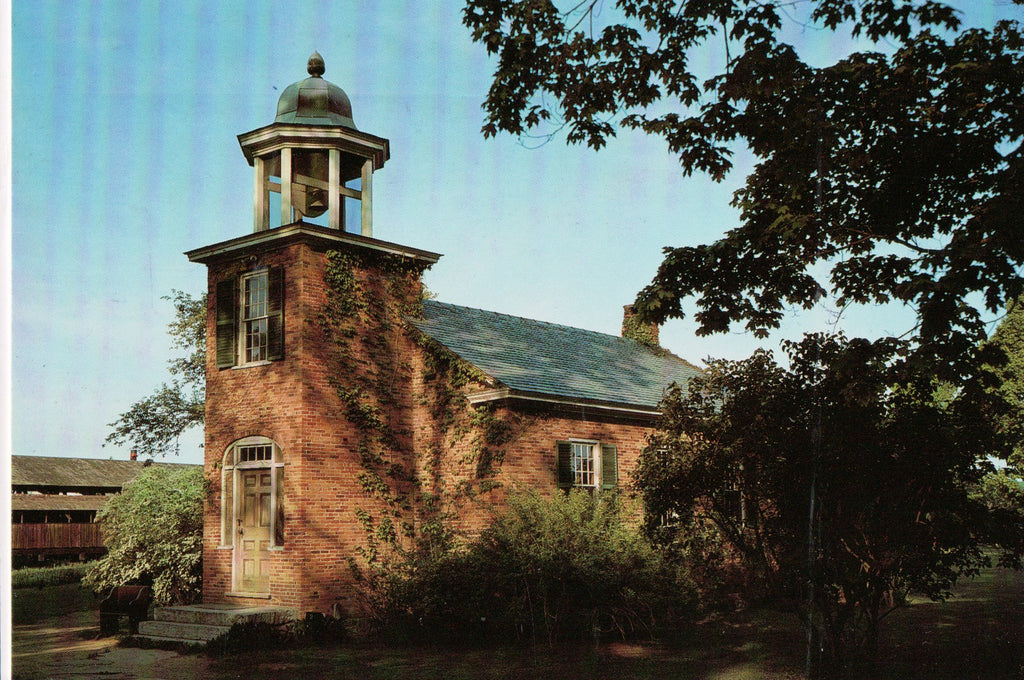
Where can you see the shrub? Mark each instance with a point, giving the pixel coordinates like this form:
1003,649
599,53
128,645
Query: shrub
707,564
39,577
153,531
548,568
314,629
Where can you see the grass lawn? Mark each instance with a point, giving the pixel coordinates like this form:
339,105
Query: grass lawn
31,605
979,634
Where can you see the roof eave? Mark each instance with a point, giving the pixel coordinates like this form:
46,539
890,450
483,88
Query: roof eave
509,394
276,136
302,230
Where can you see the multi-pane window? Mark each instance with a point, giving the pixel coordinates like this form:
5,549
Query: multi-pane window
582,464
250,318
255,317
251,453
587,464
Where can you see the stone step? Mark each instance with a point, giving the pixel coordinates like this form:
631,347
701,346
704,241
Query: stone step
200,623
192,633
223,614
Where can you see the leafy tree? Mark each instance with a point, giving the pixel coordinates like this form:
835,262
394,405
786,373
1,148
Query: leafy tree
894,473
1002,491
153,424
1009,338
153,531
899,171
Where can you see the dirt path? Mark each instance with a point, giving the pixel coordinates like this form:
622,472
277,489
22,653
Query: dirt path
978,635
67,646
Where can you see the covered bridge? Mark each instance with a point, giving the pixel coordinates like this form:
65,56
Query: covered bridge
54,501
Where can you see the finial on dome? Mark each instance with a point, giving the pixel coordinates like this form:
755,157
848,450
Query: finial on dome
314,101
315,65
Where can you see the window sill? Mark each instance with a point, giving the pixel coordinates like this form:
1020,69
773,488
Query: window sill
225,547
252,365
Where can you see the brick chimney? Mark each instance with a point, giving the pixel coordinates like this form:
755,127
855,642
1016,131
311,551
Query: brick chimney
633,328
134,455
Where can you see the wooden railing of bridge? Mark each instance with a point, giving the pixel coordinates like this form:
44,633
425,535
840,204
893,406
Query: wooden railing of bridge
56,537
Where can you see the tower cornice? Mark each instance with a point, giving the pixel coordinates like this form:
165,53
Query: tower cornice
298,232
276,136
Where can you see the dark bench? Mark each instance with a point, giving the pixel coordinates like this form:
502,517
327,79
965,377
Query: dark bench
130,601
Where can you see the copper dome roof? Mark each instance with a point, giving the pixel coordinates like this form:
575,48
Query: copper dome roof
315,101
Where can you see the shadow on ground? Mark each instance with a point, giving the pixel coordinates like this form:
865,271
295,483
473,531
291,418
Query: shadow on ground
978,635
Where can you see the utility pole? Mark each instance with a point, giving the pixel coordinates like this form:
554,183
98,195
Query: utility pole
813,515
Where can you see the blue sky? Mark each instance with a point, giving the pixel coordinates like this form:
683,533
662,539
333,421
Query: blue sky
124,124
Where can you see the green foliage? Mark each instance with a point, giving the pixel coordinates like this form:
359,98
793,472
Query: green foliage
1008,338
557,568
39,577
706,562
343,289
370,313
369,295
242,638
153,424
896,170
188,331
644,333
894,472
153,531
446,375
1002,492
346,297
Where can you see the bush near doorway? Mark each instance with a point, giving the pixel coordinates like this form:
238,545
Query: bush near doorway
153,531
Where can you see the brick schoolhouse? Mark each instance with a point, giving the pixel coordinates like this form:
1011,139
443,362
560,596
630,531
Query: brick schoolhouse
344,407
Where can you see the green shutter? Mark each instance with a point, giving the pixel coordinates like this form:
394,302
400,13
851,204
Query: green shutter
227,504
227,316
279,520
565,475
609,466
275,322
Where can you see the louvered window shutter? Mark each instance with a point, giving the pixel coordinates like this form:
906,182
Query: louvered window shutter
227,499
609,466
275,310
227,320
565,475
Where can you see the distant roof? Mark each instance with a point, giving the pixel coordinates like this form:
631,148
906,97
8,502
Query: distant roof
537,357
70,473
52,501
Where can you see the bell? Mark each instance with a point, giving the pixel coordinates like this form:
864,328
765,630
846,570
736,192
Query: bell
310,182
309,201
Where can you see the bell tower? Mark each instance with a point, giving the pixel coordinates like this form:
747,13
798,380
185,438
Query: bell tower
313,157
282,457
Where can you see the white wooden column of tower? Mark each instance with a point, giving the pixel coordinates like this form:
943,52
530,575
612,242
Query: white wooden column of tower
314,151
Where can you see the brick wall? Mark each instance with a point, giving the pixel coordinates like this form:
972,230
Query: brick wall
296,402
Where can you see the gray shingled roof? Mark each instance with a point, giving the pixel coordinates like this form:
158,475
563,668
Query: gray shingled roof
550,359
30,502
74,472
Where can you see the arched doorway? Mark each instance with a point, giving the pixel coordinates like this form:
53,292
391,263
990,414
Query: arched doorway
252,511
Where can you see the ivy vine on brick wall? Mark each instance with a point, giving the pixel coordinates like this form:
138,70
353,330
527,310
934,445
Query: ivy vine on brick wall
368,298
